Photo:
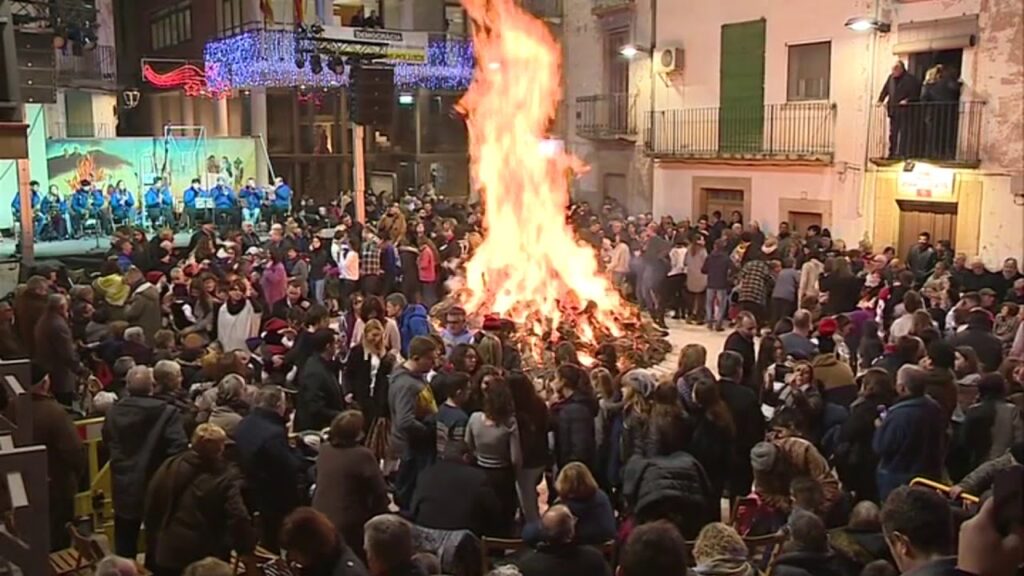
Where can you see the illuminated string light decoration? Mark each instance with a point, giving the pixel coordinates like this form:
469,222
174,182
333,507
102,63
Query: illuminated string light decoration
266,58
190,78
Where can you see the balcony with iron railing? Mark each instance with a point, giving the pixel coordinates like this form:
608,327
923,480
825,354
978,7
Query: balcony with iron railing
606,116
599,7
81,130
548,10
792,132
95,68
945,133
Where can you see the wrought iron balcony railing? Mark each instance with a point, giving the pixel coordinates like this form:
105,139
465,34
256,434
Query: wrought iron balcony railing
940,132
782,132
96,67
606,116
603,6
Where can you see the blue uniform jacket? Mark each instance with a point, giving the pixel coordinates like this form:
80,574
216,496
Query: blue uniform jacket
282,196
96,200
48,205
190,196
158,198
252,196
16,202
121,202
80,201
223,197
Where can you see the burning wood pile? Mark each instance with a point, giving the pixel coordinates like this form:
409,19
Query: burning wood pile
544,345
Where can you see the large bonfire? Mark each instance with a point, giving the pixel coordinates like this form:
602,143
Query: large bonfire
530,268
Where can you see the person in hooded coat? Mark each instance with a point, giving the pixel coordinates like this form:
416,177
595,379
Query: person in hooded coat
143,306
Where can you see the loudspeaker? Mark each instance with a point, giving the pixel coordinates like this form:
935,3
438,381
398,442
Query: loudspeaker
36,66
371,95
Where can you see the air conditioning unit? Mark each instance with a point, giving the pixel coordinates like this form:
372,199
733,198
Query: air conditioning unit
668,59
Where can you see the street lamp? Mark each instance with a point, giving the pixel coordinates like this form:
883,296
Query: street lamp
865,24
630,51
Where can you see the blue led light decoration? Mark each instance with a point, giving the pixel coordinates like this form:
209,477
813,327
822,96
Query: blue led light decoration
266,58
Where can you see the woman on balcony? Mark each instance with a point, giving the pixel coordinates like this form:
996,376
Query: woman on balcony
941,95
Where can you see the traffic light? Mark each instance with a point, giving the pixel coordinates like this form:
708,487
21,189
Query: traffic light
371,94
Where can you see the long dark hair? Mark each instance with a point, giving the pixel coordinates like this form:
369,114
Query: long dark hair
705,392
525,397
499,407
871,345
978,430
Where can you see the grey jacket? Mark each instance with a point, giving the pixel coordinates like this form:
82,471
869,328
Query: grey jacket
143,310
408,426
981,478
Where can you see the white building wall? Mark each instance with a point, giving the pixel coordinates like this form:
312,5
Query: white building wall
993,72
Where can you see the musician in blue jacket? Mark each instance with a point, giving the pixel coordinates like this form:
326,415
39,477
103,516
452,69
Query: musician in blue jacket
121,202
251,198
80,207
191,194
281,203
54,208
100,210
225,205
159,204
38,216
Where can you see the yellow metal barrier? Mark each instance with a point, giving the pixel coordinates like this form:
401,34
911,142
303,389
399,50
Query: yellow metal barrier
96,501
926,483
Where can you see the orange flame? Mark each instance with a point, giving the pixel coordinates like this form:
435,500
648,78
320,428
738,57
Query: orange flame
530,268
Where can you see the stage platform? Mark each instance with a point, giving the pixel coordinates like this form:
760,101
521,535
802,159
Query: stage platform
87,248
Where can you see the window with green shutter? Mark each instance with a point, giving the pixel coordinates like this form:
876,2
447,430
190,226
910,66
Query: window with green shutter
741,90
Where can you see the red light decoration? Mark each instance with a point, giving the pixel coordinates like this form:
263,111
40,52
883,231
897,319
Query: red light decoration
188,77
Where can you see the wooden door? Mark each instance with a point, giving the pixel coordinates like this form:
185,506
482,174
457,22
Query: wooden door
724,200
800,221
936,218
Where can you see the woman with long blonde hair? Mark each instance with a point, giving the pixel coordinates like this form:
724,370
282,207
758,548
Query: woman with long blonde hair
365,382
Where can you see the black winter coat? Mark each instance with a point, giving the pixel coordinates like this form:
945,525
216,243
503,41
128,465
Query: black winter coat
271,467
673,488
575,438
745,348
434,507
987,346
746,413
140,432
854,456
319,399
806,564
356,381
194,509
713,446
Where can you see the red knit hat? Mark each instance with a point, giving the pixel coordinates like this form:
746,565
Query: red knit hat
827,327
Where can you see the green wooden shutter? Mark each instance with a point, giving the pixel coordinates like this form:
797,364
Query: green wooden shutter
741,93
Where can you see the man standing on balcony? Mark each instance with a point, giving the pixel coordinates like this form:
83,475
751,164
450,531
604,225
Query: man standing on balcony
899,91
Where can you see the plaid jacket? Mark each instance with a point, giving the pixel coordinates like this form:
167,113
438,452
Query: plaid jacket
755,283
369,260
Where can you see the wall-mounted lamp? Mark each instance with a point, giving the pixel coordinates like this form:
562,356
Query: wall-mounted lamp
865,24
631,50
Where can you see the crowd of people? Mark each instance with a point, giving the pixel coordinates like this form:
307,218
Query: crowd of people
318,393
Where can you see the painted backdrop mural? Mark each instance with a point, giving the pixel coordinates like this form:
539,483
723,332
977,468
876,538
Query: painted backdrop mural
138,161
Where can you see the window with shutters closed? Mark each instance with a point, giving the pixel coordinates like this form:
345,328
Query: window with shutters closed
741,90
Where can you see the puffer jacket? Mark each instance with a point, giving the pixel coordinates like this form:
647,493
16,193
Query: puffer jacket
575,436
673,488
